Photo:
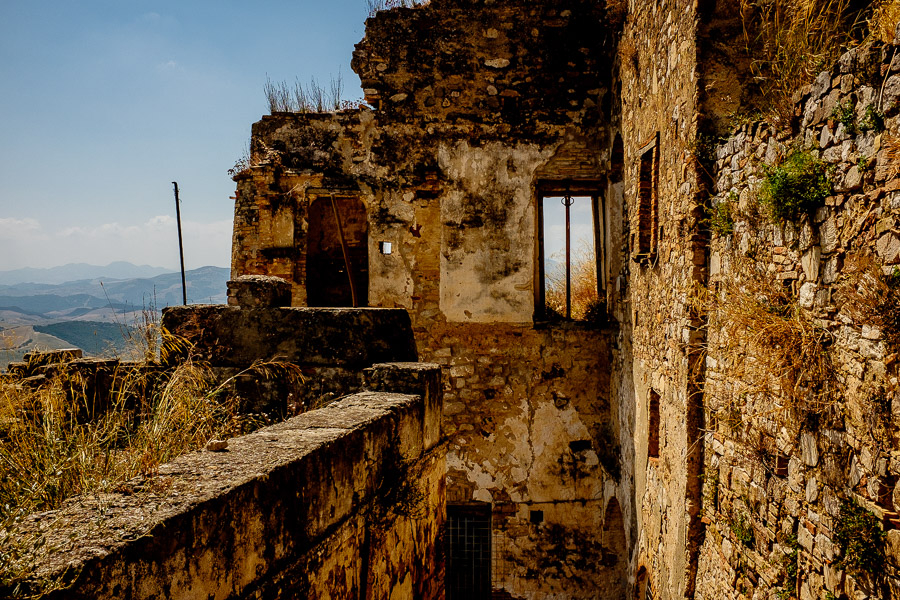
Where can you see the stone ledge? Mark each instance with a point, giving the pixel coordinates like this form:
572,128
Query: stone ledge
220,524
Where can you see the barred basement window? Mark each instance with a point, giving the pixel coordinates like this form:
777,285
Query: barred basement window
571,234
644,240
468,545
653,426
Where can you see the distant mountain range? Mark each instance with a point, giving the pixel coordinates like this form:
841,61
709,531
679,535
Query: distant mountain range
79,271
96,314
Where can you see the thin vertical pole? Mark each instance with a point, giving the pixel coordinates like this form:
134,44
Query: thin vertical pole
180,243
567,202
344,250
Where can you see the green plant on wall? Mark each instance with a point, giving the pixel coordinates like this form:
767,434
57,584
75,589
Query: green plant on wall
873,120
859,536
845,113
790,565
720,219
742,528
797,186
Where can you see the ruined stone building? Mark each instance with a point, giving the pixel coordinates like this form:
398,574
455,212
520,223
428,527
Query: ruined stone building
628,454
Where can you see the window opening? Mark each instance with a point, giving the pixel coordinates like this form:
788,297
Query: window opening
337,264
468,540
653,428
571,257
644,241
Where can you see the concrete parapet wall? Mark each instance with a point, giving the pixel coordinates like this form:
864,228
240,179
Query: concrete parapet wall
342,502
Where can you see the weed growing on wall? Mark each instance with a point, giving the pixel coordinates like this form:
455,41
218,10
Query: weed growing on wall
376,6
721,220
845,114
859,536
797,186
742,528
869,296
884,20
61,440
790,41
872,120
313,97
790,565
761,323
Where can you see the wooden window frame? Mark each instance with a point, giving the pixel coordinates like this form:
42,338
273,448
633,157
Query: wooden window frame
592,189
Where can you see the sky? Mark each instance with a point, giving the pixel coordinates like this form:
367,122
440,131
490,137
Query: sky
103,104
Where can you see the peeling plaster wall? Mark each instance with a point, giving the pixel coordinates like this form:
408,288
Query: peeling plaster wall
494,99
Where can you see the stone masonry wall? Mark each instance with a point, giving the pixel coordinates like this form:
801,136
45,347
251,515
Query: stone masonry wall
477,104
782,461
659,340
326,504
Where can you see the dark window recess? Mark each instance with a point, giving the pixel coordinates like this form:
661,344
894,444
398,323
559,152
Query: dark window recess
617,160
337,238
653,426
579,445
468,540
644,240
537,516
570,247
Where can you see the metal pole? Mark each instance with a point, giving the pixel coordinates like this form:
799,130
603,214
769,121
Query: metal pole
344,250
567,202
180,243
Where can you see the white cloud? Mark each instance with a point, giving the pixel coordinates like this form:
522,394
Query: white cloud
27,228
154,242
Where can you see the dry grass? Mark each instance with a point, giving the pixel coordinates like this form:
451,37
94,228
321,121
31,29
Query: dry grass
884,20
313,97
584,285
891,155
62,439
867,295
791,41
772,347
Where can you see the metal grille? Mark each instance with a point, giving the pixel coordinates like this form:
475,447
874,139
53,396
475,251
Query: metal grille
468,542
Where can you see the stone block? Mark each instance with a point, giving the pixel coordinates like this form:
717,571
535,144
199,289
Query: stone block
809,450
259,291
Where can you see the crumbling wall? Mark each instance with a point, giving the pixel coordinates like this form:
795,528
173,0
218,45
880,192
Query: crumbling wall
477,105
326,504
663,258
802,406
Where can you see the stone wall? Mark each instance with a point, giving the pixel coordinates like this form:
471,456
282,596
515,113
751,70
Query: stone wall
480,107
659,198
787,448
326,504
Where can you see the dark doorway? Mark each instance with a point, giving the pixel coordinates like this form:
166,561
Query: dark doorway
337,235
468,539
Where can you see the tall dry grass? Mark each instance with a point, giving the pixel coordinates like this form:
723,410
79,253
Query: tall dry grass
790,41
583,282
772,347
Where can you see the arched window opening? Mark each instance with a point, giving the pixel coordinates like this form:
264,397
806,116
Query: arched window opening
337,261
643,590
653,426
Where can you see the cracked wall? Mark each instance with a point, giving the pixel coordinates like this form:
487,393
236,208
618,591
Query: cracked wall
477,104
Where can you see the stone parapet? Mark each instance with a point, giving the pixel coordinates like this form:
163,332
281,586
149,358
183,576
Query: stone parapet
326,504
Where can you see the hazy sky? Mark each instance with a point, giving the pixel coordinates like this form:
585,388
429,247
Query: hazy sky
104,104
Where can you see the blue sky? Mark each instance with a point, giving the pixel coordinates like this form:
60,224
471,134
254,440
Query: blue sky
104,104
